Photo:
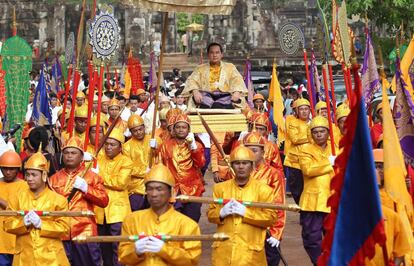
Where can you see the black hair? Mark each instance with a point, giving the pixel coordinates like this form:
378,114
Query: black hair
120,98
134,97
52,95
214,44
38,135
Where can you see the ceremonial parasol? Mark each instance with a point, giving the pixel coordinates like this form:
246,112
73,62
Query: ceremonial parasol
195,27
216,7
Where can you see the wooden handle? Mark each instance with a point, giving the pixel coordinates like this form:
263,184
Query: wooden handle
166,238
50,213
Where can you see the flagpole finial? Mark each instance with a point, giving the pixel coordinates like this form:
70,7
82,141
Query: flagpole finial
14,25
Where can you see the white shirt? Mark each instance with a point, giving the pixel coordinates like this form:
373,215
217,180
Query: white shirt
55,112
205,138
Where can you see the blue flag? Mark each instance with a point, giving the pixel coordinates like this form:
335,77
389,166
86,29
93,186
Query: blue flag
355,223
41,114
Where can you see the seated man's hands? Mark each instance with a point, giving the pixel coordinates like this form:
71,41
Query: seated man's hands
235,97
197,96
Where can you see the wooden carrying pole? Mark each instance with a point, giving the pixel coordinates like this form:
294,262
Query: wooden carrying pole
265,205
50,213
157,92
166,238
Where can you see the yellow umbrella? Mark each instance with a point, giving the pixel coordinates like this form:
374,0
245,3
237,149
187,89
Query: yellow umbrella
215,7
195,27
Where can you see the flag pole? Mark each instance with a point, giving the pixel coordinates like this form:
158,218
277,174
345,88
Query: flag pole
328,107
309,87
157,92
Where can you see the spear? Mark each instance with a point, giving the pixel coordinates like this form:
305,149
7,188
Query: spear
165,238
50,213
220,201
216,142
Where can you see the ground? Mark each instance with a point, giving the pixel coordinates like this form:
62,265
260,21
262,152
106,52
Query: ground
292,248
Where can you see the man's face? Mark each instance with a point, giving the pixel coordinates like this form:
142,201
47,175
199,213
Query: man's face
104,107
303,112
72,157
180,100
258,104
113,111
323,112
242,169
138,132
53,102
92,134
80,124
262,130
158,194
258,152
80,101
142,97
163,124
122,103
379,170
215,55
341,125
320,135
34,179
9,173
112,148
133,105
181,130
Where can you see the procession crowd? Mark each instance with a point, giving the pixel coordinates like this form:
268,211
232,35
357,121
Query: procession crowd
132,183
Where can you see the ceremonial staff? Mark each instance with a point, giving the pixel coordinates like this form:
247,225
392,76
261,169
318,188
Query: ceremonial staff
265,205
49,213
165,238
111,127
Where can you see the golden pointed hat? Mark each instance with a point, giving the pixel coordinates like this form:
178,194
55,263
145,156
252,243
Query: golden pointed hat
37,162
80,94
320,105
342,111
261,119
319,121
10,159
301,101
258,96
117,134
162,115
81,111
254,139
135,121
102,120
140,91
67,113
74,142
114,102
182,118
242,153
160,173
172,114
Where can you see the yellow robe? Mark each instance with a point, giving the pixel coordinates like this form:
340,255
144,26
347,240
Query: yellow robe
116,173
229,80
170,223
317,174
8,241
397,242
297,134
138,151
38,246
248,233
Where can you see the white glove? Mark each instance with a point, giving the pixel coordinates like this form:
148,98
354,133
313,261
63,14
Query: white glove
35,219
140,245
81,184
154,245
332,159
273,242
227,209
239,208
26,220
153,143
87,156
191,139
95,170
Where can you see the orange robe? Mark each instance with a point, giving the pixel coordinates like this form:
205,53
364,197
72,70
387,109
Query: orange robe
185,165
218,164
62,183
269,175
163,134
272,156
121,124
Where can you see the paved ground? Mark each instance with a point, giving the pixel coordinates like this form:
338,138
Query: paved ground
292,248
